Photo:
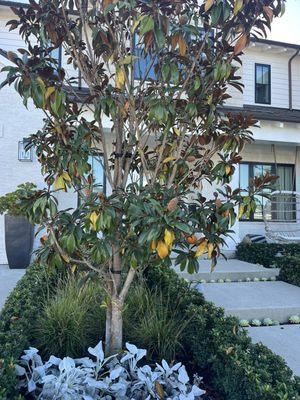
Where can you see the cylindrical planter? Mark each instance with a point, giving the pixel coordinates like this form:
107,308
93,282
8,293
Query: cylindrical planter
18,241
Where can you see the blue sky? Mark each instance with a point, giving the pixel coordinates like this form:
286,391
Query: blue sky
287,28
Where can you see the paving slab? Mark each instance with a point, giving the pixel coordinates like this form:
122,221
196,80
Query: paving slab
232,269
283,340
8,280
251,300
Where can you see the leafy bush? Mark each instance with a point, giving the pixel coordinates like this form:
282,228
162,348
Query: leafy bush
117,377
289,269
17,319
10,202
264,253
71,319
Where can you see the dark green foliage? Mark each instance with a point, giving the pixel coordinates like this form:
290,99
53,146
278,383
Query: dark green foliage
264,253
218,349
72,320
289,269
17,319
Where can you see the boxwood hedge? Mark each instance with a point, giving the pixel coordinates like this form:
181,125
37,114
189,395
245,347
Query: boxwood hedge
264,253
289,269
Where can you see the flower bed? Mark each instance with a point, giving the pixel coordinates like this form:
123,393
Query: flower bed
211,345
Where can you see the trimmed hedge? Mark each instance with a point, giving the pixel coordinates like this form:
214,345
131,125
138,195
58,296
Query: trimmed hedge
289,269
16,320
264,253
220,351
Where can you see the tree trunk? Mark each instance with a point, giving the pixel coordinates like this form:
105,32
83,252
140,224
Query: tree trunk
114,326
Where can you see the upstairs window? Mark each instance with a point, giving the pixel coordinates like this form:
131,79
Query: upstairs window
262,84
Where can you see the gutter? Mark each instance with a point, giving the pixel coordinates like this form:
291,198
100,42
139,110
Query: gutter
13,4
290,78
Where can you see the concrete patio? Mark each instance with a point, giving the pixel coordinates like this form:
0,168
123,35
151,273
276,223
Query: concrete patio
254,299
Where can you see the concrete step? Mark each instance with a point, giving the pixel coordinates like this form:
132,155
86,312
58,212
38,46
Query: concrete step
254,300
231,269
283,340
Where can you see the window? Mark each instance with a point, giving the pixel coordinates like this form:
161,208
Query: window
285,181
56,55
98,174
24,153
262,84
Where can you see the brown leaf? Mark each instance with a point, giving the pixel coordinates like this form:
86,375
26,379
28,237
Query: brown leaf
172,204
182,46
241,44
159,390
174,41
148,39
106,3
208,4
268,11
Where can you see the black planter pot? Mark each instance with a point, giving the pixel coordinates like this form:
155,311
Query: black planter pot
18,241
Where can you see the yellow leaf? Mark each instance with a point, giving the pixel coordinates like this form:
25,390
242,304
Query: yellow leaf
59,183
120,78
49,91
238,5
208,4
182,46
176,131
210,248
201,248
74,268
168,159
66,177
153,245
241,211
94,218
169,238
65,257
229,350
162,249
227,169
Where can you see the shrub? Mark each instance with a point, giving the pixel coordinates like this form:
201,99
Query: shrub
289,269
71,319
264,253
154,319
17,318
117,377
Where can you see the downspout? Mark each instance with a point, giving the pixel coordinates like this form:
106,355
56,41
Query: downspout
290,80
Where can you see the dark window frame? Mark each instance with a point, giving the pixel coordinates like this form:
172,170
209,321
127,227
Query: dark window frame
257,101
252,163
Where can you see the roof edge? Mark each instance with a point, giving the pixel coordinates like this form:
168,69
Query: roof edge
275,43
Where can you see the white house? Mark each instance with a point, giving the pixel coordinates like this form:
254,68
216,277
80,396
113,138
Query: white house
271,78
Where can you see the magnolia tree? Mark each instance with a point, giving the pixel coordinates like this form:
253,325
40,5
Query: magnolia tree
158,72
